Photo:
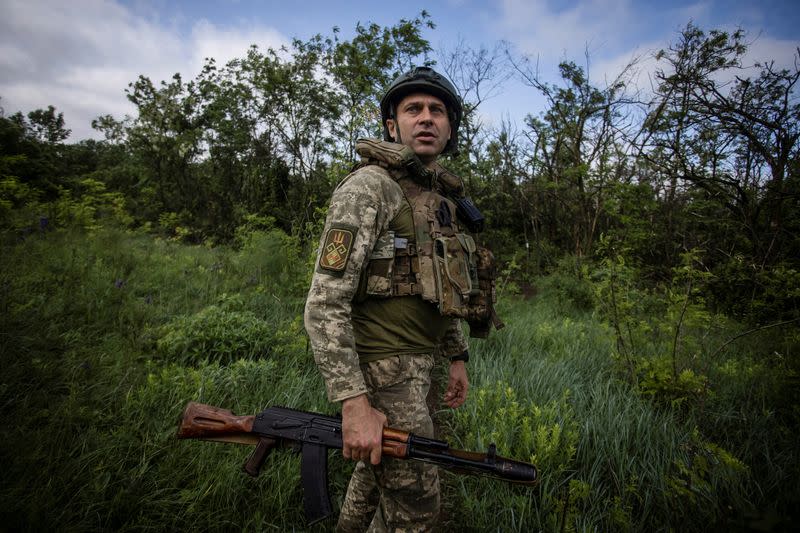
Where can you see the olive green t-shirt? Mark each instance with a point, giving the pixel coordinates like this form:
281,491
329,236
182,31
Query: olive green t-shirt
402,324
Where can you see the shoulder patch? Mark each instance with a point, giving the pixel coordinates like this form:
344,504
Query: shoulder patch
337,247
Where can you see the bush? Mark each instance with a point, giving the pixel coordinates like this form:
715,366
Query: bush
215,334
545,435
572,291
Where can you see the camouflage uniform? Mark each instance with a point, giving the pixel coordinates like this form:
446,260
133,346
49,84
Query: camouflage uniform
391,364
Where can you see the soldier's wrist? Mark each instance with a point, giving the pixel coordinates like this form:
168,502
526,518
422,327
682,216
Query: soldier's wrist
463,356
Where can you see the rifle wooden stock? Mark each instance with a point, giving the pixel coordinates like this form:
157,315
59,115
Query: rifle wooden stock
201,421
316,433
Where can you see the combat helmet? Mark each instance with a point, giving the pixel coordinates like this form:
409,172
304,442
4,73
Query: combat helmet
426,80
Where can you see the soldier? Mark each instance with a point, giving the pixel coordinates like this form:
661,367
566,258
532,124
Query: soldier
396,271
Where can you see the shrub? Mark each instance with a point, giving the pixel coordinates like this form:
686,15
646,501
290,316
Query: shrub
706,473
215,334
544,435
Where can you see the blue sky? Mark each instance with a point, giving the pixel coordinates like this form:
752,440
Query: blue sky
80,55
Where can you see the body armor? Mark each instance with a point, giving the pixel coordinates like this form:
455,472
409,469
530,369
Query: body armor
442,264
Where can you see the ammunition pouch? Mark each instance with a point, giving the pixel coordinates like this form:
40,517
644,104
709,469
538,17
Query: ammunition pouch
455,272
463,276
465,279
482,314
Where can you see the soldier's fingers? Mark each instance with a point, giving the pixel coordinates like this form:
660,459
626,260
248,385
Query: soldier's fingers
375,456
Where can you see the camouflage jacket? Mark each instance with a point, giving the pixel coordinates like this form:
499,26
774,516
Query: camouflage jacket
360,211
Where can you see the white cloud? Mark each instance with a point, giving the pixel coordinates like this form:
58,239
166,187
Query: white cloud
697,12
605,71
229,43
540,30
80,56
783,52
615,31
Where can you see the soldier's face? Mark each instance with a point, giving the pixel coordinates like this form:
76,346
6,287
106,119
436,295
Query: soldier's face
423,125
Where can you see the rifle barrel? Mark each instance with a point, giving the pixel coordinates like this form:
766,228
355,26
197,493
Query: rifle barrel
472,462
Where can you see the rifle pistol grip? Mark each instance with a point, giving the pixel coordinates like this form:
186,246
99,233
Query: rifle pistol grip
259,455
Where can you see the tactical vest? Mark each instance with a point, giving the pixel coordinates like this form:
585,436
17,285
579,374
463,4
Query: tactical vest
443,264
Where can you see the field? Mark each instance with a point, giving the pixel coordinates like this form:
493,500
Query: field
105,335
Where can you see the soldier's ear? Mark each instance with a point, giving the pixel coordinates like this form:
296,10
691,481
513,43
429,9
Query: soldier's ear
391,125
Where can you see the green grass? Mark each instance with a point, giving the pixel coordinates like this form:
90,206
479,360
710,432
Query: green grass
637,465
105,336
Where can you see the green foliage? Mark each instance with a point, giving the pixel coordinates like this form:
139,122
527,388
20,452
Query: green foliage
269,134
89,203
94,402
18,203
505,283
633,218
45,184
669,347
259,135
176,226
269,259
252,223
362,67
544,435
658,335
569,280
86,205
707,472
759,295
214,334
46,126
656,380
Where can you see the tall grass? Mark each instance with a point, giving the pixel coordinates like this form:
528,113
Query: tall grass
102,342
637,465
106,335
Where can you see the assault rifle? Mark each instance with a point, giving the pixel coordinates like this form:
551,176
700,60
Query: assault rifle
315,433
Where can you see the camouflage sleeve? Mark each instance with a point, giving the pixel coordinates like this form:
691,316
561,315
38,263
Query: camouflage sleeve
454,342
360,209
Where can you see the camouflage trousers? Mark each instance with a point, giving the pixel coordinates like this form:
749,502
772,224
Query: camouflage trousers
395,495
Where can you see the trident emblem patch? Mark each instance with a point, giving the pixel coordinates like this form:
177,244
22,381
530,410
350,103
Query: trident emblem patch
336,249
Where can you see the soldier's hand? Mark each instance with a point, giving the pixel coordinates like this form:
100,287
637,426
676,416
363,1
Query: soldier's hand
457,386
362,430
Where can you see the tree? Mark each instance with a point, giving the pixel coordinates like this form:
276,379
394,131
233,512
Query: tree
166,135
47,126
32,148
730,135
362,67
576,152
478,76
723,134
